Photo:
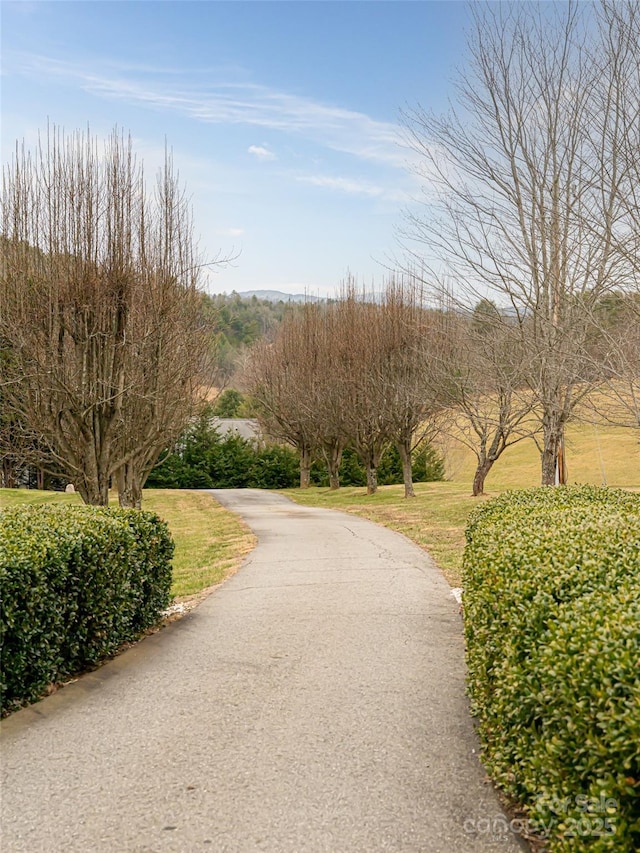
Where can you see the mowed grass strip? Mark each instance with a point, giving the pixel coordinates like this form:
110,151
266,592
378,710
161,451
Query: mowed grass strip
210,541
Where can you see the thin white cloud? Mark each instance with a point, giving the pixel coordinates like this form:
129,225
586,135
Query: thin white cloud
232,232
345,185
352,186
223,102
261,152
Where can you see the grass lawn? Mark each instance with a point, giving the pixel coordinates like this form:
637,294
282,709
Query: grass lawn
437,517
210,541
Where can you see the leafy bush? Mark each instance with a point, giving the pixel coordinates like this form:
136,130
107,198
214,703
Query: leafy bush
205,459
427,466
551,582
275,467
76,582
229,404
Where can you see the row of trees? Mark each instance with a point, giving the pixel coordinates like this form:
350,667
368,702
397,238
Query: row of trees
344,373
205,457
367,372
531,200
372,370
102,339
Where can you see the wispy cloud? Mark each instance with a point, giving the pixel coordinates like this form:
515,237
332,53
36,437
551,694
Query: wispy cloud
353,186
345,185
261,152
222,102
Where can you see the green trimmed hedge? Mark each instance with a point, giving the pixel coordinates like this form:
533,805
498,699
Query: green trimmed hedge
75,583
551,600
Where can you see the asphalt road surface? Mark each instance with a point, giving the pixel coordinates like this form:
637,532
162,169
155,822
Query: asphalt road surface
315,702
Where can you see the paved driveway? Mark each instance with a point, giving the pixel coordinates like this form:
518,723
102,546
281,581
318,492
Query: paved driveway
315,702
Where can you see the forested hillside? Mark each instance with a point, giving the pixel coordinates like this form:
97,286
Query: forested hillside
239,322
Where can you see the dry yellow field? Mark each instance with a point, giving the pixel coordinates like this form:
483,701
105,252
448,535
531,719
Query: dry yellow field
595,454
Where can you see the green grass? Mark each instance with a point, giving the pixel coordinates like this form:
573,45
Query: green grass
210,541
18,497
436,518
596,455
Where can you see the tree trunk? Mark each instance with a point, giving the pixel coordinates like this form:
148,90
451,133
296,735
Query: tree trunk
333,456
480,476
372,479
553,433
9,479
404,449
561,466
305,467
94,493
370,458
129,487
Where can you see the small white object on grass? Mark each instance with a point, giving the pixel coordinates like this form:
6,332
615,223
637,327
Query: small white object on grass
456,592
178,607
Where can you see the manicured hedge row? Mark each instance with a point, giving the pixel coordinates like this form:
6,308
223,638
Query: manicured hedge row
75,583
551,600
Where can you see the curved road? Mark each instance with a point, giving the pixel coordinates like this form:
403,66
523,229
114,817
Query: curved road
315,702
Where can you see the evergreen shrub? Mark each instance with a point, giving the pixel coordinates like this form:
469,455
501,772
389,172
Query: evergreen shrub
75,583
551,601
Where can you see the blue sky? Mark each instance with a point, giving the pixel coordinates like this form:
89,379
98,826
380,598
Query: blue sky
283,117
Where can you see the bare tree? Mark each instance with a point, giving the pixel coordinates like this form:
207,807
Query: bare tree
616,332
359,365
97,281
330,392
281,375
405,363
617,317
528,189
480,372
166,392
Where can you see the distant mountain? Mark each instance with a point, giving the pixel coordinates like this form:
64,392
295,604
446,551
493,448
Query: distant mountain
279,296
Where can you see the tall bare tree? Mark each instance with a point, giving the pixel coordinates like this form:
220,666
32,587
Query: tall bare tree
616,331
405,362
527,188
480,371
282,375
330,391
97,285
359,364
